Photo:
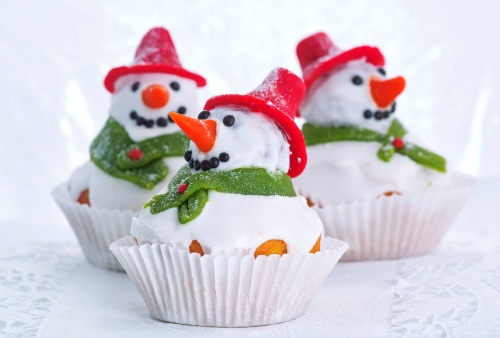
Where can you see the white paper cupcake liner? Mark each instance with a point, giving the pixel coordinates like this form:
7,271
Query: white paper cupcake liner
397,226
95,228
225,291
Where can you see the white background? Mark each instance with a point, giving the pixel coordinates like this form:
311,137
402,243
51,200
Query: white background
54,55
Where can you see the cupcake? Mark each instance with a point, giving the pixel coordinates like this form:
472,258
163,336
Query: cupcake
228,242
138,150
375,184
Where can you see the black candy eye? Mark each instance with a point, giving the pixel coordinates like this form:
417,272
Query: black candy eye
182,110
175,85
381,71
357,80
228,120
203,115
135,86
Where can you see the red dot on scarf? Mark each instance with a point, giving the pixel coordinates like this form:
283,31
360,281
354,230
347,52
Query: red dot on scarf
135,154
182,188
398,143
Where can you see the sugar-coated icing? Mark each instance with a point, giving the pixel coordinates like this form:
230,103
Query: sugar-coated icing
125,100
346,171
233,223
252,141
335,100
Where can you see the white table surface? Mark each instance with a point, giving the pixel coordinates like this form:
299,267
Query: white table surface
47,288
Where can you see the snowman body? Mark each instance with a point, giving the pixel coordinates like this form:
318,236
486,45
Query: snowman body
349,170
237,223
143,118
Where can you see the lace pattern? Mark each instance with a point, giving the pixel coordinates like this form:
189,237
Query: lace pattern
31,278
447,295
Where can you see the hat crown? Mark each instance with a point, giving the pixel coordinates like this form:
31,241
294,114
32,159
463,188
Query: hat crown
157,48
314,47
282,89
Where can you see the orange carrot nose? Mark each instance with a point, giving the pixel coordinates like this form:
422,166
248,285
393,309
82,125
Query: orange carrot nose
384,92
201,132
155,96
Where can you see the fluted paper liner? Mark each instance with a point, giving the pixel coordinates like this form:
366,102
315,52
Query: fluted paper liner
399,225
225,291
95,228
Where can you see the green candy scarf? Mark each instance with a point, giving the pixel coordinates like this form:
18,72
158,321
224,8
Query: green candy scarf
314,134
110,152
189,192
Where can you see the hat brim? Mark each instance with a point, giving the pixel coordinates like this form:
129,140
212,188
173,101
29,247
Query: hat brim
298,155
325,64
115,73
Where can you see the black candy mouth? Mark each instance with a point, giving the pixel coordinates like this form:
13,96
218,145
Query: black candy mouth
379,115
205,164
160,122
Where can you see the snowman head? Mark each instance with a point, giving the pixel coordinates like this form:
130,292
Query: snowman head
227,138
346,87
141,103
252,130
356,93
156,84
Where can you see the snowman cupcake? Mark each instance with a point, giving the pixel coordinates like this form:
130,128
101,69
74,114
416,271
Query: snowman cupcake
138,150
374,183
228,242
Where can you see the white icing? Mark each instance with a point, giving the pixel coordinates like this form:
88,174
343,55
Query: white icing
124,100
108,192
232,223
79,180
252,141
335,100
346,171
111,193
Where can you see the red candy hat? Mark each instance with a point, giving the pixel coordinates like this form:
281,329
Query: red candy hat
317,54
156,54
278,97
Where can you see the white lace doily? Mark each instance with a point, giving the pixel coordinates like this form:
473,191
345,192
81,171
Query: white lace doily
31,278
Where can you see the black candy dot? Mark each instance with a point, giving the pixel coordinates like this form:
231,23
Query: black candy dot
150,123
191,163
141,121
367,114
228,120
197,165
187,155
170,119
205,165
224,157
385,114
133,115
175,85
203,115
214,162
379,115
393,107
357,80
161,122
381,71
135,86
182,110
